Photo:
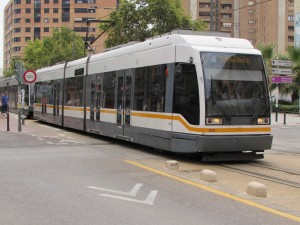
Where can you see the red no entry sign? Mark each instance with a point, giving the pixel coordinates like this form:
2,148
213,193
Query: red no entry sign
29,76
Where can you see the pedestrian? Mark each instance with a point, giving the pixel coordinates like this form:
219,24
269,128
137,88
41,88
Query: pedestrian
4,102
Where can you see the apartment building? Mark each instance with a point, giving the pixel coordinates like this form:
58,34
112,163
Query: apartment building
219,17
297,23
268,21
26,20
259,21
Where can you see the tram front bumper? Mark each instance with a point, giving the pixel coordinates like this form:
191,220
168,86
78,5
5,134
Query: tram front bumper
234,143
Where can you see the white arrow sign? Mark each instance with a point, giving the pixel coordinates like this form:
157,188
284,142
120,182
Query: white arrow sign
281,71
148,201
133,192
286,63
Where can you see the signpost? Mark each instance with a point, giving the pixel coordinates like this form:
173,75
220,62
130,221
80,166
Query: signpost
283,68
281,71
29,76
286,63
282,79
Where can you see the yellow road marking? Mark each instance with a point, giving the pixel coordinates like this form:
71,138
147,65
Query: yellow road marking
221,193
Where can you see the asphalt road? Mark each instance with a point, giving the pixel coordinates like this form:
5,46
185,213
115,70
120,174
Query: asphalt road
286,138
53,176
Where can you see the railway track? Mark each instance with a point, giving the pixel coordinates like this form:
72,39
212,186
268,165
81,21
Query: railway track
279,175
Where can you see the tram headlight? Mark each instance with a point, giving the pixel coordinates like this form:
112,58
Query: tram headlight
216,120
262,120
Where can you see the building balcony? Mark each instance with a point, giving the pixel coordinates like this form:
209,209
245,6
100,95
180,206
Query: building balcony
225,20
204,9
228,2
225,29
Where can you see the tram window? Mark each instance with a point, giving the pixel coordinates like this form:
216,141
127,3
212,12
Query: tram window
109,89
38,92
186,93
74,91
150,88
79,72
94,89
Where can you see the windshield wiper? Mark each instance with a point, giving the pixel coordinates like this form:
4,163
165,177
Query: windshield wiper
223,110
262,102
217,101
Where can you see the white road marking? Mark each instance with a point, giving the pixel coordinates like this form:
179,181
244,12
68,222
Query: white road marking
49,127
132,192
148,201
72,141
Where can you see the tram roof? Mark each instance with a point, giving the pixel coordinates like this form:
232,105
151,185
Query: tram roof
4,81
51,68
176,39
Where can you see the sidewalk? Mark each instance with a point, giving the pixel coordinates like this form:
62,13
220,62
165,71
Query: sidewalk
291,119
13,124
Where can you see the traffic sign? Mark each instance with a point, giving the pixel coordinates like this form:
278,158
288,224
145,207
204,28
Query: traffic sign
276,62
29,76
282,79
281,71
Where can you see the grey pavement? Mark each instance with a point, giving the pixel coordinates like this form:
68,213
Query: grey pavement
280,197
290,119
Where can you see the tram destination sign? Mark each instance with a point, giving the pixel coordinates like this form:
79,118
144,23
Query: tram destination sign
285,63
282,79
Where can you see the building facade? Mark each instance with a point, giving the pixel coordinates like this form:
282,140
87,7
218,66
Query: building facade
219,17
297,24
259,21
26,20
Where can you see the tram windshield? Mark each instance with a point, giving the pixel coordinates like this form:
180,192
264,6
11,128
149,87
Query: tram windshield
235,85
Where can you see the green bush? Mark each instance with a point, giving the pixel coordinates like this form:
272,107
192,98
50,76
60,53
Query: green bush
286,108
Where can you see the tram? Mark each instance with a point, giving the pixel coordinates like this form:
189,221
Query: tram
184,93
13,89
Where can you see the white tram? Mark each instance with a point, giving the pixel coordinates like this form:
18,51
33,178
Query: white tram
182,93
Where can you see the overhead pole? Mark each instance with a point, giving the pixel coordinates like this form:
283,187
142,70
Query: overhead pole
87,45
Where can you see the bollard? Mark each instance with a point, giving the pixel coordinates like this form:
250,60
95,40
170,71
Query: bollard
7,120
23,117
19,121
276,117
284,118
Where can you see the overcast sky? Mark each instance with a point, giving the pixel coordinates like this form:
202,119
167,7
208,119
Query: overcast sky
2,5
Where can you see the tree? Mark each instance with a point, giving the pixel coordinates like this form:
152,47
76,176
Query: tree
64,45
294,56
136,20
11,71
268,54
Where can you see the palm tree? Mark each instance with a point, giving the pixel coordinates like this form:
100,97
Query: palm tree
294,56
267,52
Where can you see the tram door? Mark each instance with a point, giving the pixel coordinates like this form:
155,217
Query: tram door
56,88
124,94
